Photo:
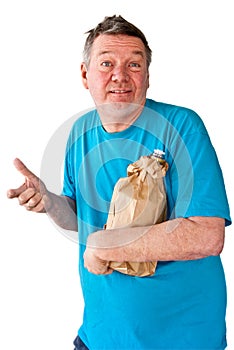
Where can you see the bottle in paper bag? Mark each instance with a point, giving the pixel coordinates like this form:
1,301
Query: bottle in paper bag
139,200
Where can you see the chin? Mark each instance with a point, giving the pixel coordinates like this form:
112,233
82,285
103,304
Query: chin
119,111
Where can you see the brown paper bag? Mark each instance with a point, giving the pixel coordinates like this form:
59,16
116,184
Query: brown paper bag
139,200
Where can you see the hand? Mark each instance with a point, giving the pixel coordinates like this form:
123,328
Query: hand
94,264
33,194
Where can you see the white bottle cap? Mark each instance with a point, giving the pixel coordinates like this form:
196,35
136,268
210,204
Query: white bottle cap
158,153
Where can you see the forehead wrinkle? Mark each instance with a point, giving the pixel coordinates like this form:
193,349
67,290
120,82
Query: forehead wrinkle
134,52
117,45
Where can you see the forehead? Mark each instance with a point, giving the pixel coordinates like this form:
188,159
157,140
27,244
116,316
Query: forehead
107,43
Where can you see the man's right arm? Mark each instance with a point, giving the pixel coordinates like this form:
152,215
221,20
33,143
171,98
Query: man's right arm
62,211
35,197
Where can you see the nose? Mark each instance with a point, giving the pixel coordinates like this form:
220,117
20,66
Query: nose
119,74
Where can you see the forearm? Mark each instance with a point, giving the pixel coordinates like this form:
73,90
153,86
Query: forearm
179,239
62,210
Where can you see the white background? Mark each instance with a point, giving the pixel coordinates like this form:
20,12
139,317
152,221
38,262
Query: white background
40,88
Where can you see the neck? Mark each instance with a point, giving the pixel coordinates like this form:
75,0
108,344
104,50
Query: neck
116,118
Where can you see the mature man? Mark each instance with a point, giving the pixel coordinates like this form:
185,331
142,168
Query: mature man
182,306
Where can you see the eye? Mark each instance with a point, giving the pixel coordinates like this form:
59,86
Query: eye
106,64
134,65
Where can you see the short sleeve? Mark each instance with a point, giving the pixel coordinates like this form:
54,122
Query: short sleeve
68,177
196,179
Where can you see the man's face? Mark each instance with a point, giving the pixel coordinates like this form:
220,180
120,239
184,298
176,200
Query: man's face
117,73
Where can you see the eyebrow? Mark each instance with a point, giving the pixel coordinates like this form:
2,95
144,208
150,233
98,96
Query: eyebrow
136,52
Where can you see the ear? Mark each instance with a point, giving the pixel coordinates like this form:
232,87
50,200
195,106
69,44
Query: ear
84,72
148,84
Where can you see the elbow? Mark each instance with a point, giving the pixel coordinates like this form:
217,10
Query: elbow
216,243
210,236
217,249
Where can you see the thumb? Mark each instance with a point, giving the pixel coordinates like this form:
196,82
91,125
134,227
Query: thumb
31,179
21,167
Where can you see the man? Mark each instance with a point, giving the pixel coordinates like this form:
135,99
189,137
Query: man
182,306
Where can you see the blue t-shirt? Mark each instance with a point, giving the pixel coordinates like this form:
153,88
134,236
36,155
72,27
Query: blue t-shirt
182,306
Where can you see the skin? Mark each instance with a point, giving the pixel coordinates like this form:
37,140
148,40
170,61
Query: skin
117,79
180,239
34,196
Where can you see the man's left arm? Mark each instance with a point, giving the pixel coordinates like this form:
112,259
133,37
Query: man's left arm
179,239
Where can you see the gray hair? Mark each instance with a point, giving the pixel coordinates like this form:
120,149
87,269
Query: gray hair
114,25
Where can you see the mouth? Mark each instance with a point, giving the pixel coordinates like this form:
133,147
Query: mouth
119,92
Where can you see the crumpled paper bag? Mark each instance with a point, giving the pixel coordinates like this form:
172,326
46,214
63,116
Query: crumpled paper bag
139,200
